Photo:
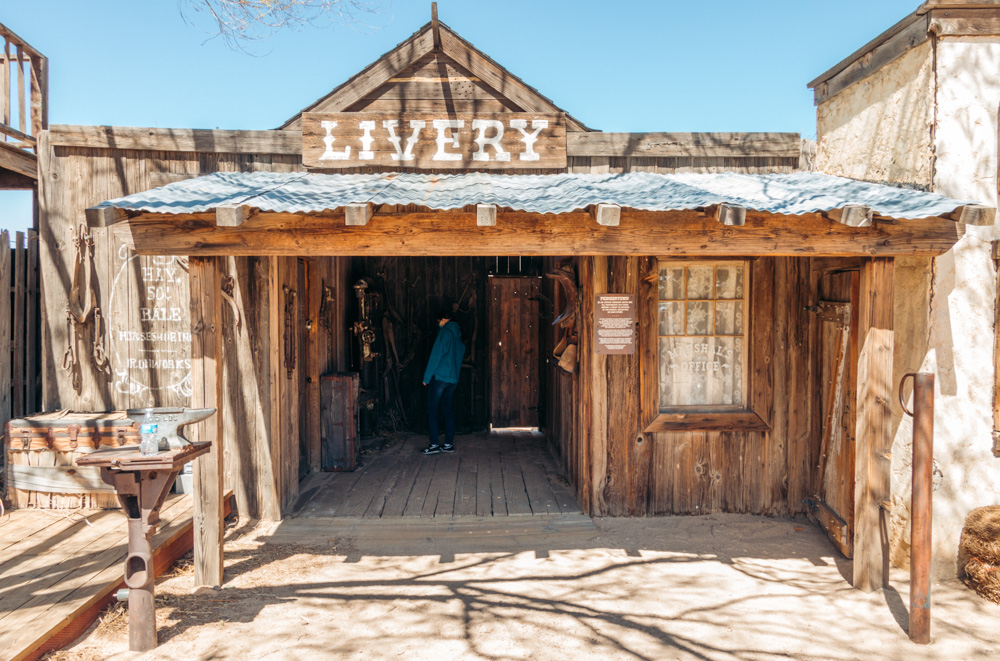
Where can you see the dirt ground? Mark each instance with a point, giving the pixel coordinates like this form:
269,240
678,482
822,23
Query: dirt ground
714,587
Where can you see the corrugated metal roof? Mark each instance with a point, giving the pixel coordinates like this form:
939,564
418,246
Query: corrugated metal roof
299,192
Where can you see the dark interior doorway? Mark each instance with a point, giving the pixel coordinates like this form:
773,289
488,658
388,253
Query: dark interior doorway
406,294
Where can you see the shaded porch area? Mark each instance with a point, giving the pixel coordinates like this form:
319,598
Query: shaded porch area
493,474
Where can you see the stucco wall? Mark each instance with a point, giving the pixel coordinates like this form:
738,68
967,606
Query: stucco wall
910,123
963,295
879,128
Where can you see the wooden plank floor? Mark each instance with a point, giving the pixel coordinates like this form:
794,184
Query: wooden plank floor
489,475
57,569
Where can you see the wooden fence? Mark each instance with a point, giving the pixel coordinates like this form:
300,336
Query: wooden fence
20,366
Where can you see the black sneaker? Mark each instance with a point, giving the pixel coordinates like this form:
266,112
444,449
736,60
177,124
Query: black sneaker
432,449
447,448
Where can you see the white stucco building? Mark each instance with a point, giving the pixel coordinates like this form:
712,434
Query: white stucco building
918,106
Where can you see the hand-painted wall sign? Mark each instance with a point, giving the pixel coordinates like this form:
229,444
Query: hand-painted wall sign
614,324
433,141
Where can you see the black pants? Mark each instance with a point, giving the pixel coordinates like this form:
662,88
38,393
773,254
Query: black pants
440,393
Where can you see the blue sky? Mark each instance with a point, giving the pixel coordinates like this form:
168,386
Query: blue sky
629,65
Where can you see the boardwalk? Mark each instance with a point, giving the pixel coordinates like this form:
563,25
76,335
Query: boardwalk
489,475
59,569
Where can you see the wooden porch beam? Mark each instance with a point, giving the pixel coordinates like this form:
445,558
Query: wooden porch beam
205,281
442,233
18,160
486,215
874,423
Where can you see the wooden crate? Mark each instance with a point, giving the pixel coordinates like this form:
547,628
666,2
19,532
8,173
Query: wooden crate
41,453
339,421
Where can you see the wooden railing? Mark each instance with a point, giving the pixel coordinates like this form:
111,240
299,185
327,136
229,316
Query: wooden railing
24,93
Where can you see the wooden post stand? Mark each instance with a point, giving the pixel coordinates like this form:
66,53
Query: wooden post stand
142,483
921,503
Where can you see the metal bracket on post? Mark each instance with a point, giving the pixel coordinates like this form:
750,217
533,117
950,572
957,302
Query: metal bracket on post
921,503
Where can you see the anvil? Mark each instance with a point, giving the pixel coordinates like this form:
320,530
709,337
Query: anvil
169,422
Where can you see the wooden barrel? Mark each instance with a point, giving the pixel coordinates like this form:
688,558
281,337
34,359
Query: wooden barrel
41,453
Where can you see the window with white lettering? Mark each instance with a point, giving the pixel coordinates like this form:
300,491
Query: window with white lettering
702,335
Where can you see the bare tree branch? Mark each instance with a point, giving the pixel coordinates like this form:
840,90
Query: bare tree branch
242,22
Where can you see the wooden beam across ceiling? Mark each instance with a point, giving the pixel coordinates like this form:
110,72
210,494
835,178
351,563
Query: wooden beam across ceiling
457,233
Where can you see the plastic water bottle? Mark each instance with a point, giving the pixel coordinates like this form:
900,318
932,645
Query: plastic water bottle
147,433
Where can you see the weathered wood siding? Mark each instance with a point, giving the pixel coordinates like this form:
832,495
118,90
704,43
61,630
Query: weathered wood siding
621,471
261,411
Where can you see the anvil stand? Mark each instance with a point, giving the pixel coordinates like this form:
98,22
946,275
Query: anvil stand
142,483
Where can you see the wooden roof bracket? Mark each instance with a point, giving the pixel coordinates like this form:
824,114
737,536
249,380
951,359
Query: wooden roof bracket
974,214
733,215
233,215
106,216
358,214
852,215
486,215
608,215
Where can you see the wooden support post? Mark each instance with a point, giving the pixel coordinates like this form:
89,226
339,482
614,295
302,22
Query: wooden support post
608,215
5,353
486,215
32,378
232,215
874,423
20,310
358,214
599,394
22,105
206,392
5,83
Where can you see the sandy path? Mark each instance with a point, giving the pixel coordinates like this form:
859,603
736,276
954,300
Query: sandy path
715,587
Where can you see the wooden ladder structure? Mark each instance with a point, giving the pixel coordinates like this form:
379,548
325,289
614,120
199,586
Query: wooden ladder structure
24,101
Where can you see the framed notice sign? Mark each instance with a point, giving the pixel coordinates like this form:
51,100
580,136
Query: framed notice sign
614,324
434,141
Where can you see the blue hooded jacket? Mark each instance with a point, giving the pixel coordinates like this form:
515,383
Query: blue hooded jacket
445,362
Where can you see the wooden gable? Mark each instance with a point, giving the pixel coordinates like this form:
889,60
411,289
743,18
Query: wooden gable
434,71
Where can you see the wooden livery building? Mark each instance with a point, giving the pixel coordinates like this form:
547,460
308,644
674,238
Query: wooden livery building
697,324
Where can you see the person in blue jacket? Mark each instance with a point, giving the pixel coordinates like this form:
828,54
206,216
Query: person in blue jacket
441,378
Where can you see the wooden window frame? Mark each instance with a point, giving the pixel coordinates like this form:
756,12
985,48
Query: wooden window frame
758,352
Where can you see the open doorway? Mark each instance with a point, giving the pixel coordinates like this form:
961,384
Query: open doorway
503,461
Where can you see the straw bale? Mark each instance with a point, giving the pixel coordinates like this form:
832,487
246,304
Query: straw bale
979,551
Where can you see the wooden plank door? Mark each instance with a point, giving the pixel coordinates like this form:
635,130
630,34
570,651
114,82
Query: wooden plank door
339,421
834,478
515,352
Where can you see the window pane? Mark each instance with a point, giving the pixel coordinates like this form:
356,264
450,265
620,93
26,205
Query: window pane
729,318
671,318
701,371
700,280
729,281
699,319
672,283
